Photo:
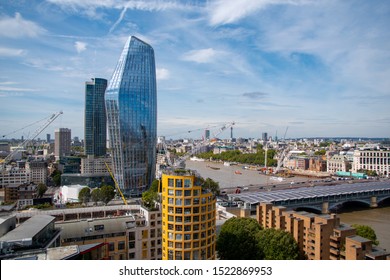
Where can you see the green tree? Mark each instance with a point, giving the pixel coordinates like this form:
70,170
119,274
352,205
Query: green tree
278,245
96,195
154,186
84,195
42,188
107,193
366,232
320,153
56,175
237,240
148,198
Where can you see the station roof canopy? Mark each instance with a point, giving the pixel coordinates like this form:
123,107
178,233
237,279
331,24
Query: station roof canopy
309,192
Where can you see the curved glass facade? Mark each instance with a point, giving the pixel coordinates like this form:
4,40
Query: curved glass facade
131,107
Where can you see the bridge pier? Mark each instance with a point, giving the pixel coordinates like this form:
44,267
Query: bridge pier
373,202
325,207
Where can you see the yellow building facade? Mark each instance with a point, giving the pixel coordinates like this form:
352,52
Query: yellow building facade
188,218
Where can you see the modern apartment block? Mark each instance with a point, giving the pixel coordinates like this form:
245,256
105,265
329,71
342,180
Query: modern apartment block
189,218
374,159
319,237
62,142
95,129
131,106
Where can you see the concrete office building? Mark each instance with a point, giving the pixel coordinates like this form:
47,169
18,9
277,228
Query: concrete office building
95,129
131,107
62,142
189,218
374,159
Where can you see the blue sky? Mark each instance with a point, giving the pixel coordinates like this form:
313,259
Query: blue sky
320,68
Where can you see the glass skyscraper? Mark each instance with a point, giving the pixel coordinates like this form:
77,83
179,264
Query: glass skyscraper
95,128
131,105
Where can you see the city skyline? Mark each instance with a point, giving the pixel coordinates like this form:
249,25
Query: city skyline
317,67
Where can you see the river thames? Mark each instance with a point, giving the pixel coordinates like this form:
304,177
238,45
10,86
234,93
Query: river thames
230,177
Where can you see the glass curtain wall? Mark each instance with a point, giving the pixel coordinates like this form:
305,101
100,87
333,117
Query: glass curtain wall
131,105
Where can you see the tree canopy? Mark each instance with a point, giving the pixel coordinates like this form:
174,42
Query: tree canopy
278,245
237,240
84,195
107,193
366,232
42,188
237,156
243,239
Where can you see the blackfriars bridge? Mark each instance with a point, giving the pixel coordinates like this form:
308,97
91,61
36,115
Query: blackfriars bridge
323,199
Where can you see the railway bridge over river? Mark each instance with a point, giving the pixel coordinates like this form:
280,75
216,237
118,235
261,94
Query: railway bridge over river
323,199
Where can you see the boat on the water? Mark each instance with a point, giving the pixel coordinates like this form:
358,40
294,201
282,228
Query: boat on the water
238,172
213,167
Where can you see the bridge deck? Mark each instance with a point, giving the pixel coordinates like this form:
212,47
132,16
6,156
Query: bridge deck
311,192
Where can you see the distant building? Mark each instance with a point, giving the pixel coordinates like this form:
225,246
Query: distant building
317,164
38,171
63,141
264,136
15,192
48,138
14,176
95,129
92,165
338,163
374,159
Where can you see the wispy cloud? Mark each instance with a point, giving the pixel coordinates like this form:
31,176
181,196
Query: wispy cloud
230,11
11,52
162,74
255,95
201,56
80,46
17,26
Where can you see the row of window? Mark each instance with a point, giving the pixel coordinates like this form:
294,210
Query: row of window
190,210
193,227
374,161
178,183
188,201
191,245
191,219
185,192
202,254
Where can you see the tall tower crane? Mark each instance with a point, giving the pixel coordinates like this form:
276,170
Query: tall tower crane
180,162
24,144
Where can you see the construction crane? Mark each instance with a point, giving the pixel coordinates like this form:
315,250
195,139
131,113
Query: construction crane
180,162
24,144
116,183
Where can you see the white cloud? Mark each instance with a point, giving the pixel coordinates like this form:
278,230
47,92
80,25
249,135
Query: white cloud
16,27
11,52
229,11
80,46
162,74
201,56
89,7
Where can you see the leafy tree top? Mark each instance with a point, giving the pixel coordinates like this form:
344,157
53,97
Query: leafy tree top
366,232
